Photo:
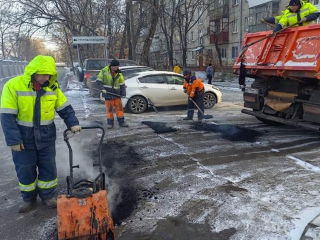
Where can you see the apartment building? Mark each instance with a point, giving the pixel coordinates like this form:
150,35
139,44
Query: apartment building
217,35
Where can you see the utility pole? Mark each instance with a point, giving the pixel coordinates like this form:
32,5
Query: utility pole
240,27
106,47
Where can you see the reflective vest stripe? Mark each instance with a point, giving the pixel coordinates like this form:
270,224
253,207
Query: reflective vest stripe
48,122
121,84
8,110
30,124
63,106
303,10
49,184
50,94
29,187
26,124
26,93
33,93
106,86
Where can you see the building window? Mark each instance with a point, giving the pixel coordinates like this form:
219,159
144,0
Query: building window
191,36
213,27
192,55
211,2
200,15
234,52
222,2
315,2
200,37
235,2
235,26
223,53
225,25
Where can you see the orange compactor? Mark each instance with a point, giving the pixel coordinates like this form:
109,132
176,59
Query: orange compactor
83,212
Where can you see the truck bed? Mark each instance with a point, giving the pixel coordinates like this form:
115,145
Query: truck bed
294,52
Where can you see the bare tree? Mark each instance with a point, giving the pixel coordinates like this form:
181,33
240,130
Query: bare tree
187,17
154,17
168,24
6,22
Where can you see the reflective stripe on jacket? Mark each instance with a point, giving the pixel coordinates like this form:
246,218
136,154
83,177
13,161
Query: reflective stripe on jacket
113,84
194,86
28,116
288,18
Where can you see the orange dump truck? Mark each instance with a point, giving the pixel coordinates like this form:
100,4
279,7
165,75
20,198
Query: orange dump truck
285,67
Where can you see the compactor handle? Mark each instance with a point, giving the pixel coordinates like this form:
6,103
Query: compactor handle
66,136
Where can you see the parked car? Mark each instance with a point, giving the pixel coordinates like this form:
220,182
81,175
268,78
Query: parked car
163,89
126,71
94,65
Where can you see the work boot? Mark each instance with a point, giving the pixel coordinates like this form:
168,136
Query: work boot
187,118
110,126
50,203
26,206
123,125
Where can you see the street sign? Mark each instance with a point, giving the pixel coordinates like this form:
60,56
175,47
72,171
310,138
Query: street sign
89,40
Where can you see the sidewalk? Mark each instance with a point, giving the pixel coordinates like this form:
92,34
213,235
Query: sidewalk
232,82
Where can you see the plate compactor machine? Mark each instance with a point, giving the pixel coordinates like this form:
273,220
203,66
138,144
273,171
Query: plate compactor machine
83,213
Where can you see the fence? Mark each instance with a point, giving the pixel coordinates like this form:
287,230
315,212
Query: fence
9,69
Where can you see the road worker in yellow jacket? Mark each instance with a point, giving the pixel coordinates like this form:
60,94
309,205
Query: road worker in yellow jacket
299,11
177,68
28,105
111,82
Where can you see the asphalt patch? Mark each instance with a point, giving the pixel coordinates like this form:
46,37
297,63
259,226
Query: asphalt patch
159,127
230,132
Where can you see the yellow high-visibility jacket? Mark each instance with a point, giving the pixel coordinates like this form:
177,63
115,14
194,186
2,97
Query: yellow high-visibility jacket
28,116
177,69
113,84
307,10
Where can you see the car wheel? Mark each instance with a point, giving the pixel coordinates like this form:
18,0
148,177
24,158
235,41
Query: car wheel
137,104
209,100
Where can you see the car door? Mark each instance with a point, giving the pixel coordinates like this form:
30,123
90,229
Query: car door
175,85
155,88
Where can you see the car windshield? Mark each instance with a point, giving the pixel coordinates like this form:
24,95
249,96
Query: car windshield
96,64
131,75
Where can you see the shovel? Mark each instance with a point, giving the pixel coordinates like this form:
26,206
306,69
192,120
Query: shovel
204,116
116,95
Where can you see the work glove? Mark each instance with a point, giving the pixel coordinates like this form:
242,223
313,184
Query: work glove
104,91
185,90
304,20
277,28
76,128
18,147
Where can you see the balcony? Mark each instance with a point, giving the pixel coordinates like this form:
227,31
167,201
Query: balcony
259,28
220,12
221,37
